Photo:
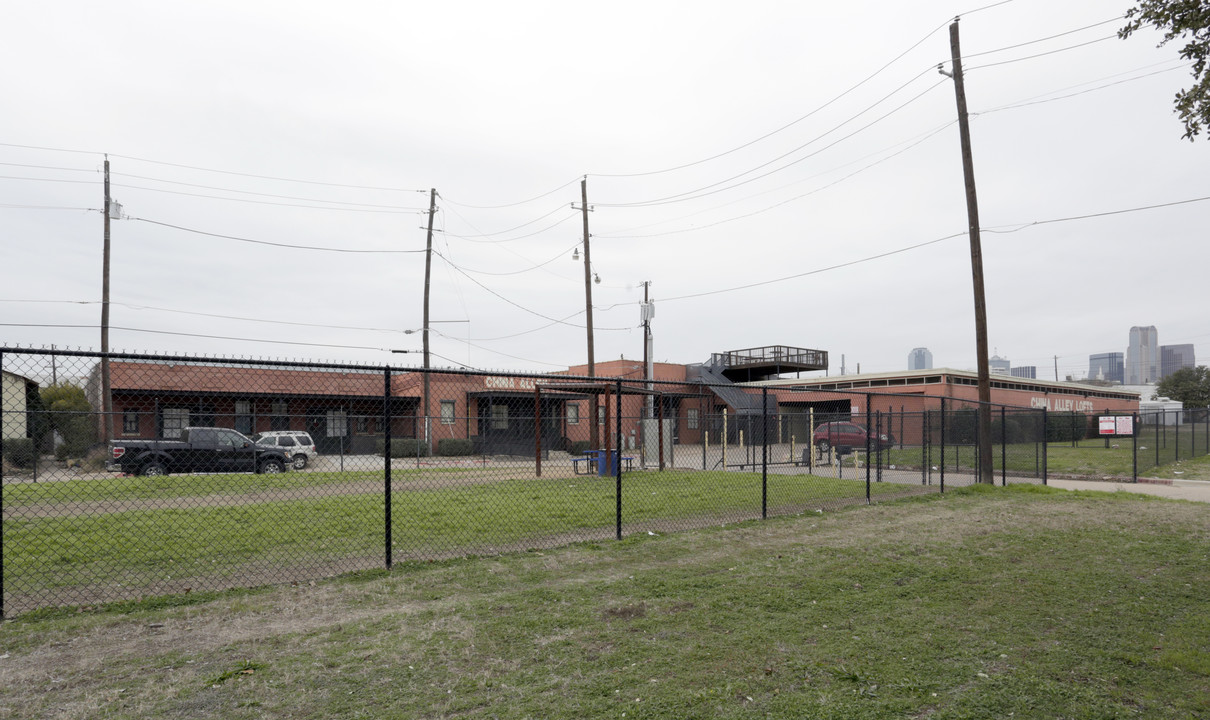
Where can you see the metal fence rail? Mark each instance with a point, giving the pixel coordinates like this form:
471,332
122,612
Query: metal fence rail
209,474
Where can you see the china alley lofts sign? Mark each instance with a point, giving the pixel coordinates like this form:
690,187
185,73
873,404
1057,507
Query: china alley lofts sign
1061,404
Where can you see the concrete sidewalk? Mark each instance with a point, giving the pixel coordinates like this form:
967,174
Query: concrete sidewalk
1196,490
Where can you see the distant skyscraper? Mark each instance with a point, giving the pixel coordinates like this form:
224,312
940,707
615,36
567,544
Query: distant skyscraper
998,365
1109,367
1029,372
1143,356
1175,357
920,359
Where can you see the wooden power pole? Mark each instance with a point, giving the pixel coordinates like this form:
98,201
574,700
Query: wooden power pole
106,396
593,433
428,267
972,214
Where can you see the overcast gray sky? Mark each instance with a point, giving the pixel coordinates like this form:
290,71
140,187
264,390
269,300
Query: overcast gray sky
753,162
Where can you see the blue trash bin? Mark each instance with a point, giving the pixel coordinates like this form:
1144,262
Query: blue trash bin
607,463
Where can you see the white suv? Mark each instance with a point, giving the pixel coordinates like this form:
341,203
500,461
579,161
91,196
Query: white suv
296,444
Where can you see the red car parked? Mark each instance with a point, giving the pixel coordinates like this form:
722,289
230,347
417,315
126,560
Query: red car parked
847,434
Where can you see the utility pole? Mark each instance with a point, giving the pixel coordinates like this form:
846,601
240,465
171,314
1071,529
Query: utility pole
428,267
1056,368
648,348
106,397
593,432
972,213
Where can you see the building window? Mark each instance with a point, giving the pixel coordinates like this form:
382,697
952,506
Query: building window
279,418
243,416
175,420
361,425
573,414
499,417
600,415
447,412
338,423
691,418
130,423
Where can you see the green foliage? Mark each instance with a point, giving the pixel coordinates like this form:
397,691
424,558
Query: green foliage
1181,19
453,447
405,448
66,409
1189,385
19,452
1070,426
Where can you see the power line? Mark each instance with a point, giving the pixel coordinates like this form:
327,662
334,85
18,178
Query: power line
562,253
513,204
275,244
400,211
1044,54
698,192
502,232
210,315
260,194
213,170
967,56
196,335
788,200
1036,100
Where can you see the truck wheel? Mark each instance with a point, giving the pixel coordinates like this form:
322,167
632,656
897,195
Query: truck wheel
823,446
152,469
300,462
272,466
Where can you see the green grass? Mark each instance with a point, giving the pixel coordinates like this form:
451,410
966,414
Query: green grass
122,488
937,607
211,546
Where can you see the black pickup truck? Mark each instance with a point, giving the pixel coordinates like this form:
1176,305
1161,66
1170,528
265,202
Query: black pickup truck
200,450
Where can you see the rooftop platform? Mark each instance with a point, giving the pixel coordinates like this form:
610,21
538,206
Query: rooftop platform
767,362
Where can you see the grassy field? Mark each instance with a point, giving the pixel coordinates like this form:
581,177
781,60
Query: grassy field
139,535
985,602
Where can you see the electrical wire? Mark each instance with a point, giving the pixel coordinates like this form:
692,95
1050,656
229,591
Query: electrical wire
562,253
196,335
788,200
1036,101
1038,55
264,202
210,315
513,204
502,232
275,244
698,192
967,56
260,194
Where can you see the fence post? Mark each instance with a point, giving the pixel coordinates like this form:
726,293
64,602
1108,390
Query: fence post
924,438
1177,433
617,463
538,432
1045,445
1163,417
1003,448
2,524
942,444
867,448
878,438
1134,443
764,453
386,462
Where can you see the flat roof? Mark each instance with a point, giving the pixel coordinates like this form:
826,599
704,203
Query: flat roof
941,375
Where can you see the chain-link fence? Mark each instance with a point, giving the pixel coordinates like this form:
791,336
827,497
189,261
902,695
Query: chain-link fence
134,475
1149,440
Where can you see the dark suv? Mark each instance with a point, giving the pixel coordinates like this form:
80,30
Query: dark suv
850,435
